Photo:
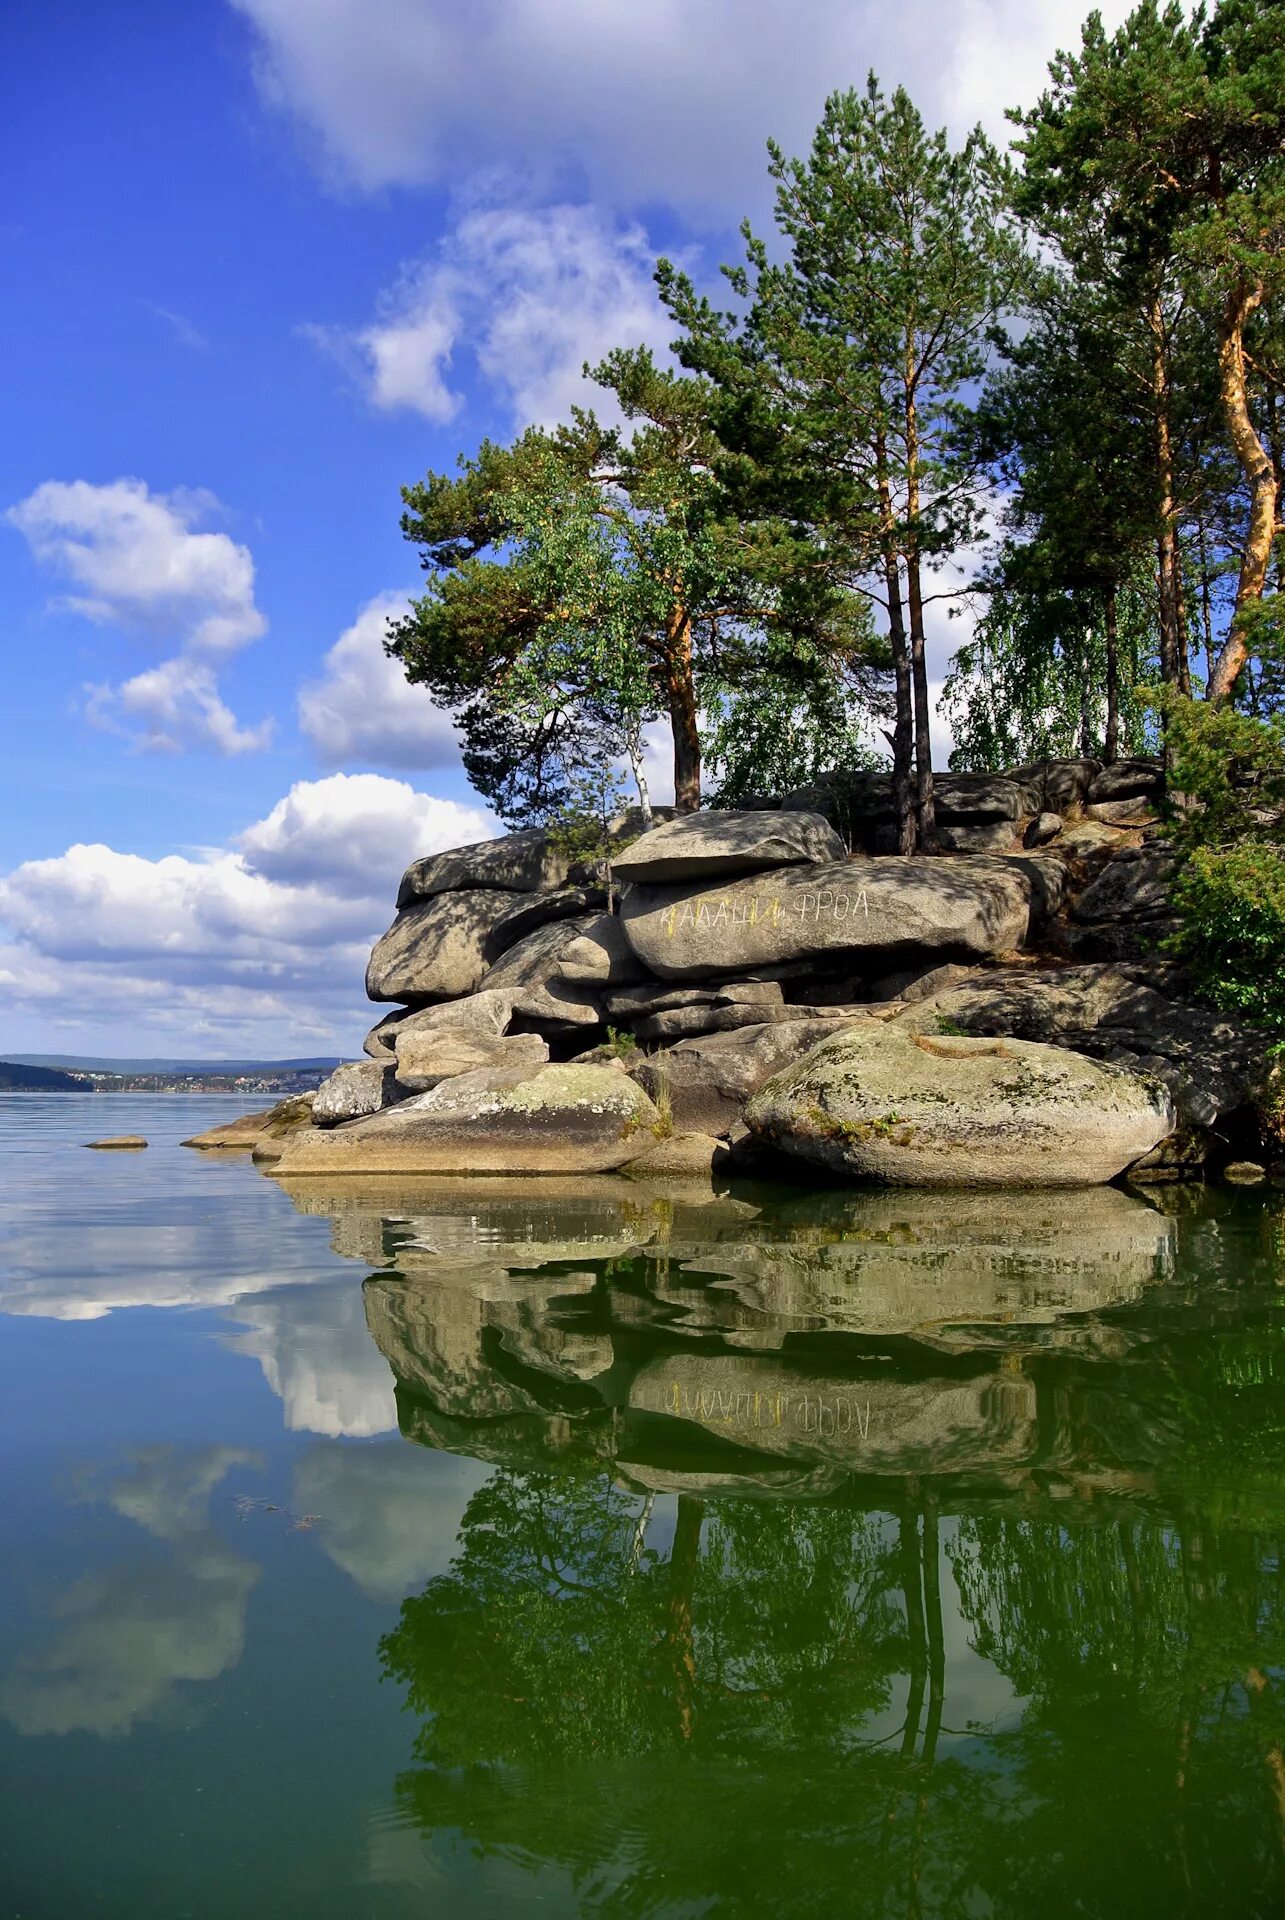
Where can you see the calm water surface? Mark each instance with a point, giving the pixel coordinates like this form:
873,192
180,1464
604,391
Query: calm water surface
453,1551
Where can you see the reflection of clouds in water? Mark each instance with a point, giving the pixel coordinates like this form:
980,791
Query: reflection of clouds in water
391,1512
125,1638
319,1359
170,1229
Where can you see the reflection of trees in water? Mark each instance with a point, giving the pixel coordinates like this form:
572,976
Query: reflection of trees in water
558,1635
709,1723
741,1693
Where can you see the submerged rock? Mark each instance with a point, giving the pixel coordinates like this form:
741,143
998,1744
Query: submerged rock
916,1110
120,1142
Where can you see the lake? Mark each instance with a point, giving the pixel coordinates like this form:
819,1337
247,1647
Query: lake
591,1550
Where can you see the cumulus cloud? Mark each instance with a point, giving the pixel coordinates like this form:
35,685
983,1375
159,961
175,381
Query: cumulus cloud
176,705
231,948
669,102
364,709
525,297
139,561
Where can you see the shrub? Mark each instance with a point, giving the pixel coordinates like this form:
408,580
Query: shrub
1232,905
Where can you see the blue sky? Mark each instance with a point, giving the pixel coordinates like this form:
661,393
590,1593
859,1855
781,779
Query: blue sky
264,262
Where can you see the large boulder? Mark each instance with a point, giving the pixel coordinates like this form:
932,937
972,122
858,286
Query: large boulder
882,1105
705,1082
427,1056
485,1013
678,1023
599,956
977,836
699,844
536,959
435,949
875,908
1060,785
1128,780
357,1088
530,973
537,909
1056,1004
555,1119
515,863
1136,883
650,997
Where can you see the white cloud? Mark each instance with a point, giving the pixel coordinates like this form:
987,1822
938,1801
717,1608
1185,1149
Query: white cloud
364,709
527,296
247,947
670,102
178,706
137,560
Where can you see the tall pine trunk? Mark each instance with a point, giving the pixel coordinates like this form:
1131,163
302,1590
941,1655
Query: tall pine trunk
681,691
903,726
1260,475
918,663
1173,641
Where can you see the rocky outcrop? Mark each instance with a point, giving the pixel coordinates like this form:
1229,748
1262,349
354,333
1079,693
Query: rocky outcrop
913,1110
703,967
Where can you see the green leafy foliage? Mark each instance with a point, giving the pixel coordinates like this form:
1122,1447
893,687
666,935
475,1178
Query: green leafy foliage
1030,684
1228,770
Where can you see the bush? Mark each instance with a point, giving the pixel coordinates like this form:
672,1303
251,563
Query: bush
1232,904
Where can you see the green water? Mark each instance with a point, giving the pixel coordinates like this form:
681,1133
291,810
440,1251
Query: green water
489,1550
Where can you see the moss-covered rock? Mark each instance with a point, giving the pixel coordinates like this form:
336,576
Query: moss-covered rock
918,1110
555,1119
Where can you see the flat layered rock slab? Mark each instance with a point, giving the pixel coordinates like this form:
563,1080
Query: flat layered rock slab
555,1119
700,844
881,1105
515,863
879,906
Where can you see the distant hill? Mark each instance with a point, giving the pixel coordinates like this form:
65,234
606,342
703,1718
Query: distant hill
18,1077
87,1063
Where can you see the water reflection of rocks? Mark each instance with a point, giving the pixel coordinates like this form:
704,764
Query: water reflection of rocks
894,1554
741,1342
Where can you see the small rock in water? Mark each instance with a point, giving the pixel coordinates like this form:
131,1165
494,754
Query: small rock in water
1244,1173
130,1140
